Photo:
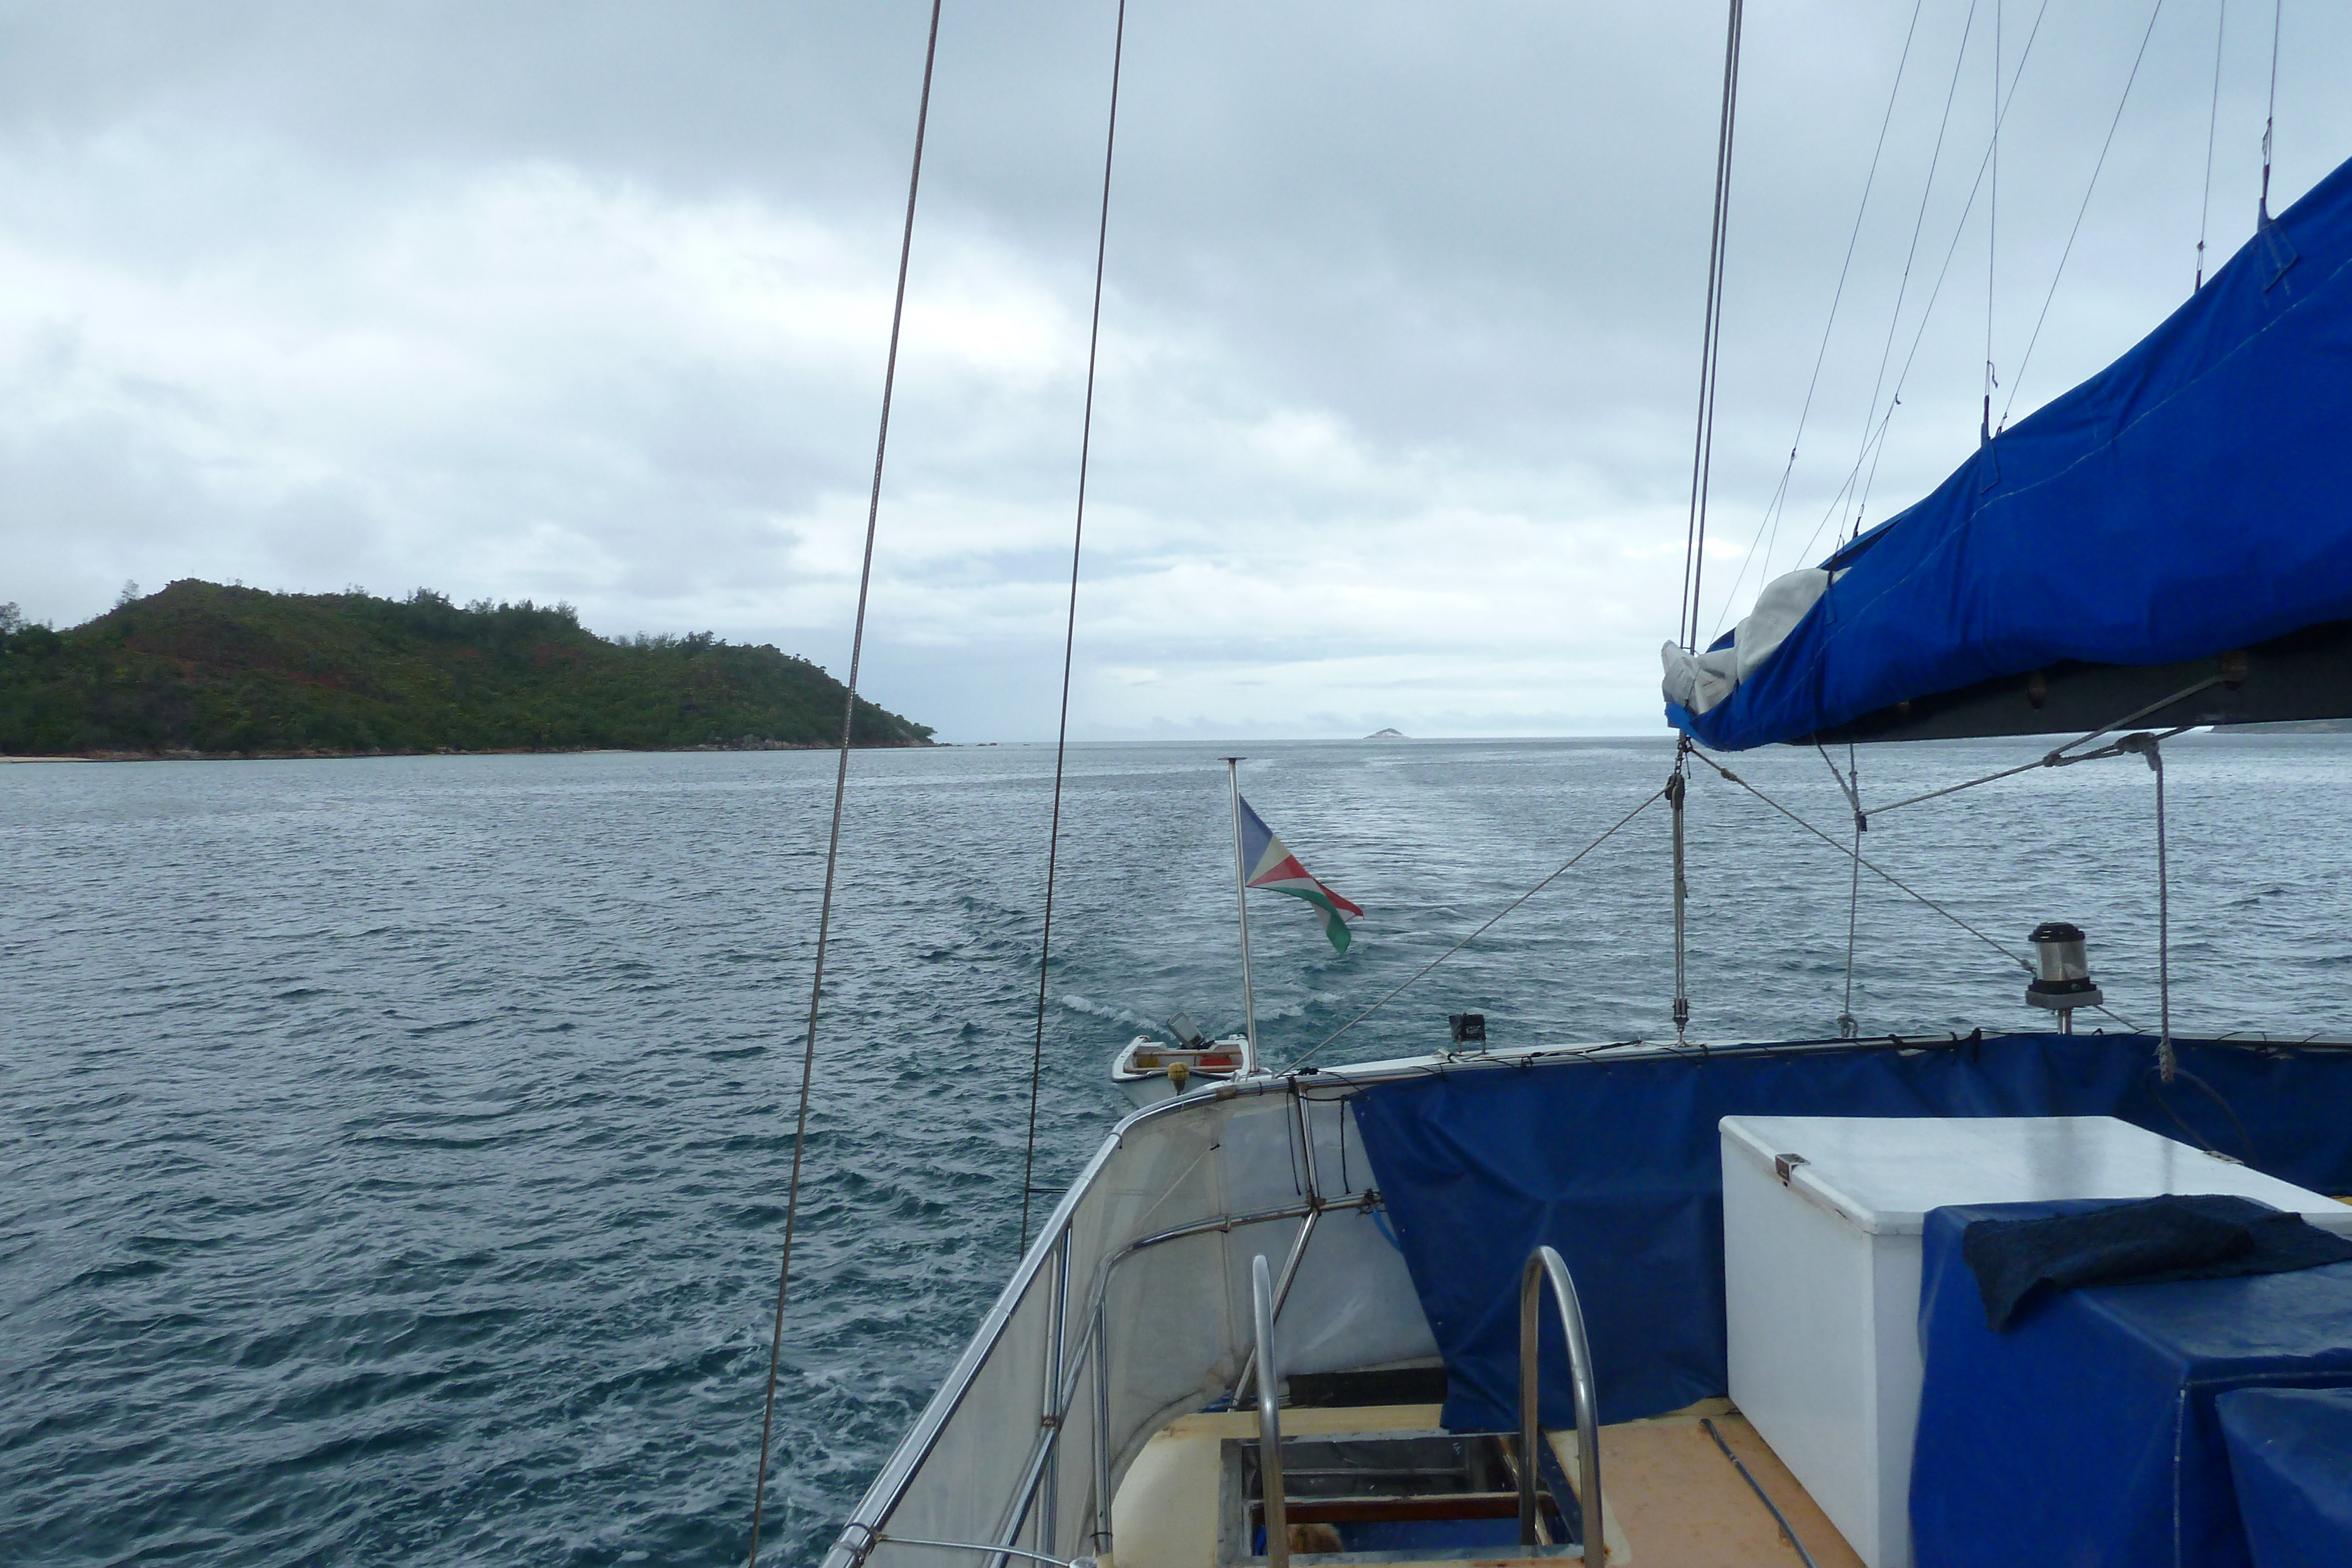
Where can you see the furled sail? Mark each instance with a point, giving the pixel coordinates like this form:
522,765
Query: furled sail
2169,543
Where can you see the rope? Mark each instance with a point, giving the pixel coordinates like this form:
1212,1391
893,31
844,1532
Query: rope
1070,632
1647,802
2059,758
1852,786
2018,379
840,788
1702,443
2245,1140
1762,1496
2213,123
1775,508
2168,1061
1849,791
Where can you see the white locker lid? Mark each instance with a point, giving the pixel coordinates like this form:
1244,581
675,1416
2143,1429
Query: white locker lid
1882,1173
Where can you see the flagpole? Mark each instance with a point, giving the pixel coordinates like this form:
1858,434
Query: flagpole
1241,900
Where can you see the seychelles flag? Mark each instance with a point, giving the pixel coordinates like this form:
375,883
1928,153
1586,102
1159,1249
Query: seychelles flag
1267,862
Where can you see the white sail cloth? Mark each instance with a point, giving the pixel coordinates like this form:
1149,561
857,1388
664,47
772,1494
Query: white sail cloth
1699,681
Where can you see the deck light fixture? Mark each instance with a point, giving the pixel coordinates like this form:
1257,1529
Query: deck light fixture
2063,980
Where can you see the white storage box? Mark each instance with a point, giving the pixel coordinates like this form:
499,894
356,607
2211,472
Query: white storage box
1822,1218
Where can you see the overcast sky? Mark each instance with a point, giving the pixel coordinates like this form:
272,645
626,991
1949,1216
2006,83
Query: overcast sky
588,301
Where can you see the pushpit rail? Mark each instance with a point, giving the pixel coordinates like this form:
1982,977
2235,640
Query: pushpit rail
1269,1417
1545,1265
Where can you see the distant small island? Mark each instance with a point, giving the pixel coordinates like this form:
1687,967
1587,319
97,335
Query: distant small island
203,670
1387,735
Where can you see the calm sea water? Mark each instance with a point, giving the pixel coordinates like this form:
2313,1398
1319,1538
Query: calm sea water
392,1152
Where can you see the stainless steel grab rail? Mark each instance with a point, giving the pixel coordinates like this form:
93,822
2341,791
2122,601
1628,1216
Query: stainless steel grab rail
1544,1264
1269,1417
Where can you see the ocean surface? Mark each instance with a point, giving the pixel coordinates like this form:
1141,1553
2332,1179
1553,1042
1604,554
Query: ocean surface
393,1151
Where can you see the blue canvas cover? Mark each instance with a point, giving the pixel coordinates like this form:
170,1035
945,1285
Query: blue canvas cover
1618,1165
2085,1433
2194,497
2291,1452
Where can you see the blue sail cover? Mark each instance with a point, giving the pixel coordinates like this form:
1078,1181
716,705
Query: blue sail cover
2194,497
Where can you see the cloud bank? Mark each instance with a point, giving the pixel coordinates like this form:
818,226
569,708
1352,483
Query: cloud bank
589,302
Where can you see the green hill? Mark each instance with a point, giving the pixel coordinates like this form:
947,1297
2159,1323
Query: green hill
240,672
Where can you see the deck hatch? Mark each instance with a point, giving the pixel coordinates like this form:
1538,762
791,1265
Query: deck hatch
1393,1497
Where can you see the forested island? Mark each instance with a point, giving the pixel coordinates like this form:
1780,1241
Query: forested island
205,670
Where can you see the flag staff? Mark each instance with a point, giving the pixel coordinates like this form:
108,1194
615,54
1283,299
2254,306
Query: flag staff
1240,899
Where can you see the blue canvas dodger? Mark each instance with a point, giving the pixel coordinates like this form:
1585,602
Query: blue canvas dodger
2188,499
1618,1165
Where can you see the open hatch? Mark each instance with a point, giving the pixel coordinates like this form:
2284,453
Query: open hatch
1380,1496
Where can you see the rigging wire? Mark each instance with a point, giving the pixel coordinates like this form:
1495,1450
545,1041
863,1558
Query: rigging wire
2168,1061
841,785
2018,379
1992,225
1703,444
1677,798
1874,444
1070,632
2058,757
1878,450
1610,832
2018,958
1850,784
2213,123
1889,877
1895,320
2270,117
1774,508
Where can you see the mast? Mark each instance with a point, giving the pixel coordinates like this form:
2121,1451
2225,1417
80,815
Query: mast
1241,902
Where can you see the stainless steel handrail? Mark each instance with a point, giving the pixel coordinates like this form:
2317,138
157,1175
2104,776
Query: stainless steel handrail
1544,1264
975,1546
1269,1417
1281,1293
1315,1207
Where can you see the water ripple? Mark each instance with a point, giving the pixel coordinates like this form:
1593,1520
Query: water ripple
394,1151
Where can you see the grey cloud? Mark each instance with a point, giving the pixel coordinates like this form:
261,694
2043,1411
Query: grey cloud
587,300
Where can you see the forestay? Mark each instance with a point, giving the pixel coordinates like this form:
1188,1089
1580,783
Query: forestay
2192,500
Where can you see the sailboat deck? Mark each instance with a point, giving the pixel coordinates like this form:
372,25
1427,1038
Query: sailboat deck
1670,1498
